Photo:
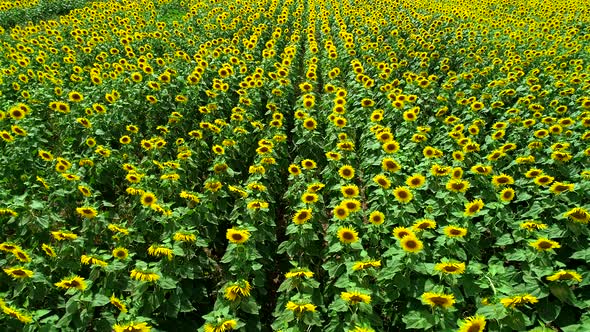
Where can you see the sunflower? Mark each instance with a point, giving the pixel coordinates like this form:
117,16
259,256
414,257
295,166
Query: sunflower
502,180
308,164
416,180
309,198
544,244
18,130
49,251
148,199
475,323
302,216
543,180
294,170
450,268
341,212
21,255
458,185
347,235
237,236
473,207
454,231
514,301
346,172
560,187
423,224
120,253
355,297
15,313
507,194
73,282
438,299
238,290
299,273
382,181
221,326
438,170
376,218
390,165
403,194
184,237
565,275
411,244
300,308
89,260
87,212
579,215
132,327
533,173
391,147
160,251
45,155
532,225
310,123
75,96
145,276
118,303
401,232
481,169
85,191
18,272
349,191
365,265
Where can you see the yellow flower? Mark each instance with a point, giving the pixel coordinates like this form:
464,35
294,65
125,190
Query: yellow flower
475,323
403,194
458,185
238,290
237,236
544,244
376,218
347,235
49,251
120,253
346,172
578,214
450,268
416,181
300,308
411,244
299,273
87,212
89,260
565,275
473,207
144,275
118,303
423,224
18,272
134,327
349,191
512,302
15,313
184,237
302,216
366,264
438,299
148,199
532,225
158,251
73,282
224,326
355,297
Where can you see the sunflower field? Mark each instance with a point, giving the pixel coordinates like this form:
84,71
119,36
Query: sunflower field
295,165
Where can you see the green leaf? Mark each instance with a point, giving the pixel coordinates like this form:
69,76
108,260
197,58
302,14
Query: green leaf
582,254
249,306
547,310
167,283
99,300
516,321
421,320
494,311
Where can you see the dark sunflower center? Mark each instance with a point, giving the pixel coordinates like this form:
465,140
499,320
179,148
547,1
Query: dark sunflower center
346,172
120,253
376,219
21,255
347,235
356,298
455,232
148,199
402,194
351,205
450,268
502,180
475,327
545,245
578,215
438,300
19,272
349,192
382,182
411,244
73,283
415,181
473,208
237,237
458,186
341,212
